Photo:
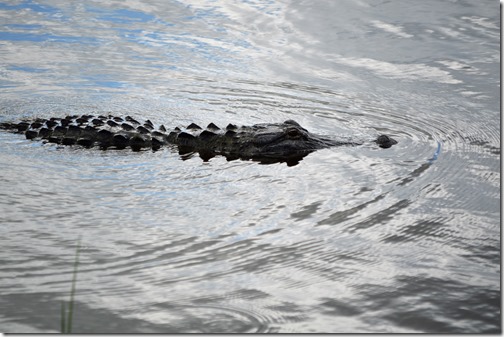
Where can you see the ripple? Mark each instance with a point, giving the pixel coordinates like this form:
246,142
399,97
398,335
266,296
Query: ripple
186,318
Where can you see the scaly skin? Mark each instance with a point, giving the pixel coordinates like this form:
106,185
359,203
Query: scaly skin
267,143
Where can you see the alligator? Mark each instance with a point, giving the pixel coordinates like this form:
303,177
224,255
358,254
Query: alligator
267,143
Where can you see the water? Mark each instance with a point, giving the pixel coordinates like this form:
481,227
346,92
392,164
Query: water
352,239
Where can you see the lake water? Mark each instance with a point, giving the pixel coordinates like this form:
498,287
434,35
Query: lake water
352,239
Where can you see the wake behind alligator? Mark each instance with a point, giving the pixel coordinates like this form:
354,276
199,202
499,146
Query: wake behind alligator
267,143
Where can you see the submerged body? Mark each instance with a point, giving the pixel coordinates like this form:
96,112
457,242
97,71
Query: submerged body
267,143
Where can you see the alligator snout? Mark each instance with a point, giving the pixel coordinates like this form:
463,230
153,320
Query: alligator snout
385,141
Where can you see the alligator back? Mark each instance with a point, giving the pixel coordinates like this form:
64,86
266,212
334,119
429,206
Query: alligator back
89,130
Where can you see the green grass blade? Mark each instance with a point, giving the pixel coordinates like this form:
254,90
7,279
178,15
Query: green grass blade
72,292
66,324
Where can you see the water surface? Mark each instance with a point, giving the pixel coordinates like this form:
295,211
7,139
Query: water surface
352,239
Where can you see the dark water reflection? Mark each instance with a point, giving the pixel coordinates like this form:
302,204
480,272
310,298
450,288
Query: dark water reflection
352,239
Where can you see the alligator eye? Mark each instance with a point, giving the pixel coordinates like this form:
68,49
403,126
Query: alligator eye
293,133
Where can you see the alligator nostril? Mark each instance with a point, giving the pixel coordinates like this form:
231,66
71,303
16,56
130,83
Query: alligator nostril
385,141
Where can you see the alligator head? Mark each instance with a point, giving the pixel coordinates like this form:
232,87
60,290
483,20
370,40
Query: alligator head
285,142
289,142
